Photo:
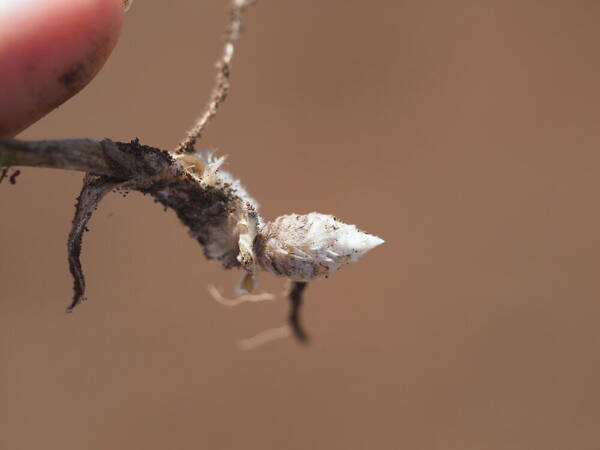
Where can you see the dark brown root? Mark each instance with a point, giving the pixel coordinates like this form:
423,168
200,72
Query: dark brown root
296,296
94,189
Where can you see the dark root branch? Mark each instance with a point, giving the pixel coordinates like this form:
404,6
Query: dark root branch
296,296
94,189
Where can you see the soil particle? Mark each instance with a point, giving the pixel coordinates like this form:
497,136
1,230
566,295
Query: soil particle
13,177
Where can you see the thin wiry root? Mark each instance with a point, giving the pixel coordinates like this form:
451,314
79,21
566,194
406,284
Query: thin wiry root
245,298
294,327
93,190
221,87
264,337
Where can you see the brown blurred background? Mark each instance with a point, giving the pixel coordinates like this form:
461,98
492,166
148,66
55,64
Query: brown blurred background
464,133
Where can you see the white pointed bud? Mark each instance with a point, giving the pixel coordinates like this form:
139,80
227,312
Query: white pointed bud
304,247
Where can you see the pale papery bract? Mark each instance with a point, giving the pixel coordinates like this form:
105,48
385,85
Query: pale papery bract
303,247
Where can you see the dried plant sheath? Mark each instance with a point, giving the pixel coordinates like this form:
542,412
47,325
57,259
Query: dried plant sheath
210,202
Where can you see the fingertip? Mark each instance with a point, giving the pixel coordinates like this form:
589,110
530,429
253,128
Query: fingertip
49,50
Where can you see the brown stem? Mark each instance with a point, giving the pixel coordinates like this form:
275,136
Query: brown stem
119,160
85,155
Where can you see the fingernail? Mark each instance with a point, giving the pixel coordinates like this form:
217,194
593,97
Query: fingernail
127,4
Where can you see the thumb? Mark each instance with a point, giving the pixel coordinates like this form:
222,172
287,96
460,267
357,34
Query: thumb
50,50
